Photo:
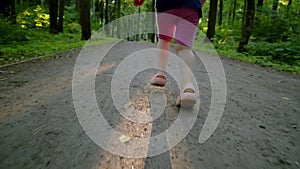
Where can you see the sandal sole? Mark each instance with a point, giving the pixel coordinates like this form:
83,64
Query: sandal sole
188,100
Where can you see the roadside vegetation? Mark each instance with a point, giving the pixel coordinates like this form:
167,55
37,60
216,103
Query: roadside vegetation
274,40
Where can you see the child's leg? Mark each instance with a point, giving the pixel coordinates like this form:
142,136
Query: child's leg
166,26
188,95
186,29
187,55
160,78
164,47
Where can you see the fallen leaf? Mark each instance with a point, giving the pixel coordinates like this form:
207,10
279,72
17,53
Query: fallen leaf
35,131
285,98
127,106
124,138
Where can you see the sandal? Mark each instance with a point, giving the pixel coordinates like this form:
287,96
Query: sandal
187,99
159,80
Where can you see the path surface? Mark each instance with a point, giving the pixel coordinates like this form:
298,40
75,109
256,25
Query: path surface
260,127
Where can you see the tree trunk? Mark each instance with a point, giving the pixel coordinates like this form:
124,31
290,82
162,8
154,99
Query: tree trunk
8,9
259,6
274,9
13,11
107,28
42,3
138,25
244,13
101,10
85,19
61,15
212,19
53,9
153,22
229,14
4,5
289,5
119,20
113,19
259,11
275,5
76,5
248,27
228,17
233,12
94,10
220,12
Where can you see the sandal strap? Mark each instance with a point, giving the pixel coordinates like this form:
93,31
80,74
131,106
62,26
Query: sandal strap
188,90
160,76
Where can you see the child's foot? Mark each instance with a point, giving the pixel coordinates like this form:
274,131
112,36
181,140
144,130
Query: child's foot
159,79
187,99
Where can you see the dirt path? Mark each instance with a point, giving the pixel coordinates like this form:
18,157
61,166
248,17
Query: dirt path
39,127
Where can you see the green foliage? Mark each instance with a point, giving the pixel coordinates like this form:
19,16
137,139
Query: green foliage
275,27
127,7
71,20
72,27
263,60
38,43
274,41
10,33
33,17
279,52
70,15
19,43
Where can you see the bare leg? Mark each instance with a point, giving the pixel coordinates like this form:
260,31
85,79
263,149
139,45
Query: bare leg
187,97
187,55
164,47
160,78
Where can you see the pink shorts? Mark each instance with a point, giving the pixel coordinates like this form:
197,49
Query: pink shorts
182,21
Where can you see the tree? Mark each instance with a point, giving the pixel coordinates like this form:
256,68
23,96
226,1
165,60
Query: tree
289,5
275,5
233,12
76,5
259,10
244,13
53,9
101,12
61,15
212,19
8,9
85,19
220,12
113,18
138,25
153,21
119,20
107,28
248,26
260,5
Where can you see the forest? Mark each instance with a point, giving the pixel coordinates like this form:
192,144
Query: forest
265,32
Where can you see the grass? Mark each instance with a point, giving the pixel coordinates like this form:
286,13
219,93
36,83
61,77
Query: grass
38,43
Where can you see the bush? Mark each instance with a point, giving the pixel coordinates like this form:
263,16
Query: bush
10,33
33,17
287,52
